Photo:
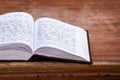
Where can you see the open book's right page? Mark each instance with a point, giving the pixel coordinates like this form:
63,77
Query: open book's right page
62,36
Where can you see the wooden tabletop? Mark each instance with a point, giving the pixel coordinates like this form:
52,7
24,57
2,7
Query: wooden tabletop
100,17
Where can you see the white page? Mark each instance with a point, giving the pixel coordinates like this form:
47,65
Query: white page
82,46
16,27
63,36
53,33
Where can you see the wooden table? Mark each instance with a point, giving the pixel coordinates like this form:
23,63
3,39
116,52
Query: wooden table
102,20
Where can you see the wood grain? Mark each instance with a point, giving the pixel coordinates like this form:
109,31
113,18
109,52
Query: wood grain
102,20
57,70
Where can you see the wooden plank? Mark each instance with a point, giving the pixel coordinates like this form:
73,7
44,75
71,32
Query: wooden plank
24,67
58,70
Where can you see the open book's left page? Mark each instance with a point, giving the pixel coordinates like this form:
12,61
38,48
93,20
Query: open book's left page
16,35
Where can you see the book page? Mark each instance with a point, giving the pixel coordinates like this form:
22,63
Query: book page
16,27
82,45
57,34
53,33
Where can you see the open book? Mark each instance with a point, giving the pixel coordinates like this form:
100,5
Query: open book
21,38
